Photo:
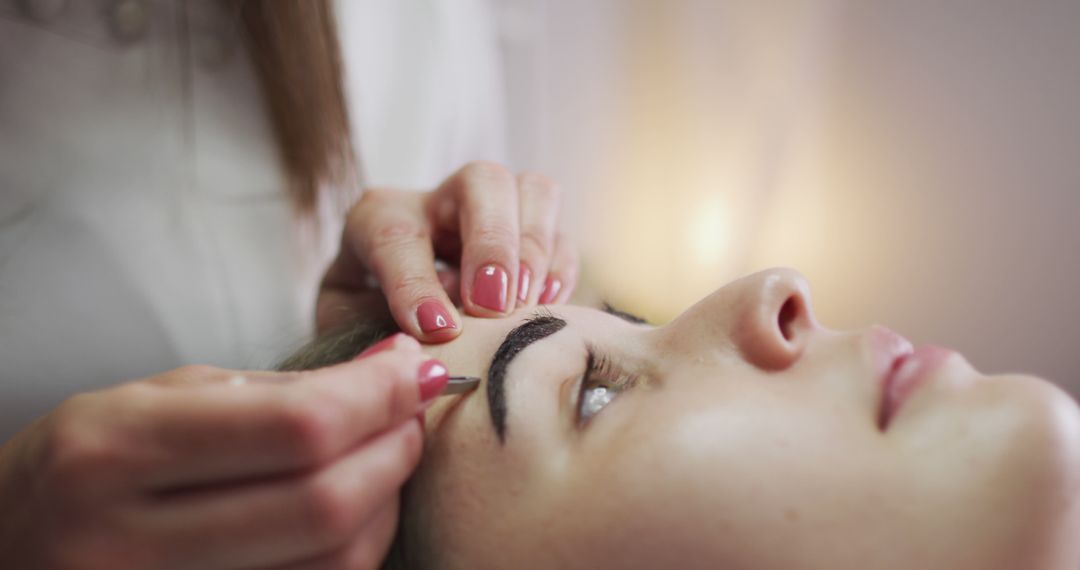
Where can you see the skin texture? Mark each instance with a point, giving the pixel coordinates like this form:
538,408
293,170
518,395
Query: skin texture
753,444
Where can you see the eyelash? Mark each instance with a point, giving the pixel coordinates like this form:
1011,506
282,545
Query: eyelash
600,372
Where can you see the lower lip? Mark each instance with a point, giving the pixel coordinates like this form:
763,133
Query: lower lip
907,375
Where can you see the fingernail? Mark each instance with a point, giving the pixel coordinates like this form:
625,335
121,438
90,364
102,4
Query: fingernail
551,290
524,275
432,317
433,377
378,347
490,288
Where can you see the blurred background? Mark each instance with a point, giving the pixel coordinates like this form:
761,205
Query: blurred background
918,161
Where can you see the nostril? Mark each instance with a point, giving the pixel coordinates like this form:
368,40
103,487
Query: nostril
789,312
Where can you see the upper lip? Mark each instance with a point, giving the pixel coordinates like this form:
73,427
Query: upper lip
889,350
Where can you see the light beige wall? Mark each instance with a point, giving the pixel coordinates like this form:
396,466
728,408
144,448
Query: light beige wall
918,161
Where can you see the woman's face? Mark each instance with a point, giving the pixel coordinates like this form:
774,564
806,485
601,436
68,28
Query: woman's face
744,436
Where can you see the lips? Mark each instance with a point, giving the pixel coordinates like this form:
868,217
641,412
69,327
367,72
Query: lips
901,369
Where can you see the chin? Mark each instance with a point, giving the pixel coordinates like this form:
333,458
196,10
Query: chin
1001,455
1044,459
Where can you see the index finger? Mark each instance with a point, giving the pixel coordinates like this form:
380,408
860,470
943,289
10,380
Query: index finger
232,431
391,238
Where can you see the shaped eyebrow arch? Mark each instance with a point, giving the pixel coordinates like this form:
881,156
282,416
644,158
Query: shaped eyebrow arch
607,308
539,326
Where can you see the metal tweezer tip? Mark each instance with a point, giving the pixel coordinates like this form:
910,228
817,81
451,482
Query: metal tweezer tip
460,385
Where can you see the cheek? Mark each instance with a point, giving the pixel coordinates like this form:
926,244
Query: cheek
455,483
722,483
484,502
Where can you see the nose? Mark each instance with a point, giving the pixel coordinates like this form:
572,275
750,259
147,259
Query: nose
766,316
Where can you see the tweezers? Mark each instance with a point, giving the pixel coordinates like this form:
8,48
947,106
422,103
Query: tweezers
460,385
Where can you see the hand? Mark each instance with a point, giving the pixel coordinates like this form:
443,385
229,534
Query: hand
500,230
207,468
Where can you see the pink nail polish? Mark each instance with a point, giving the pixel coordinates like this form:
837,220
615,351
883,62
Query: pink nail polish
433,377
524,275
551,290
432,316
490,288
378,347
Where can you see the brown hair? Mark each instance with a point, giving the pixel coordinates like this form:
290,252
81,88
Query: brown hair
294,49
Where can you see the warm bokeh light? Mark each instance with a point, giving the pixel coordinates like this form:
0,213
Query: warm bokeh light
696,163
916,163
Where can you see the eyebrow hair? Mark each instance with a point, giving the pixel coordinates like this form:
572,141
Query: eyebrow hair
539,326
607,308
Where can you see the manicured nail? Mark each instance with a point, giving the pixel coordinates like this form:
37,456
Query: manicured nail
524,275
433,377
490,288
378,347
551,290
432,317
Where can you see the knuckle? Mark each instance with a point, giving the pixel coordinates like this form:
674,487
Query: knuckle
328,510
487,171
536,243
412,286
195,371
308,427
76,446
372,201
393,235
372,197
498,234
538,184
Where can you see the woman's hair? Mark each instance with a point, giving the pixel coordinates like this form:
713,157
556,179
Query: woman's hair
409,549
339,345
294,49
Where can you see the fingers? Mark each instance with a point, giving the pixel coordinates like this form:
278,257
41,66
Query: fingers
346,295
562,277
296,518
487,215
390,235
367,550
259,427
500,229
538,210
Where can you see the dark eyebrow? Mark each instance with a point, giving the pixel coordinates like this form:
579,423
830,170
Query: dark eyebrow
607,308
537,327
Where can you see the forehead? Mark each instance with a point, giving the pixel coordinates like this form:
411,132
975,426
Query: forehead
466,476
470,353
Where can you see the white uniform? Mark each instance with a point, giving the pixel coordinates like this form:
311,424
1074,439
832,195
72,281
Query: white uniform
143,219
